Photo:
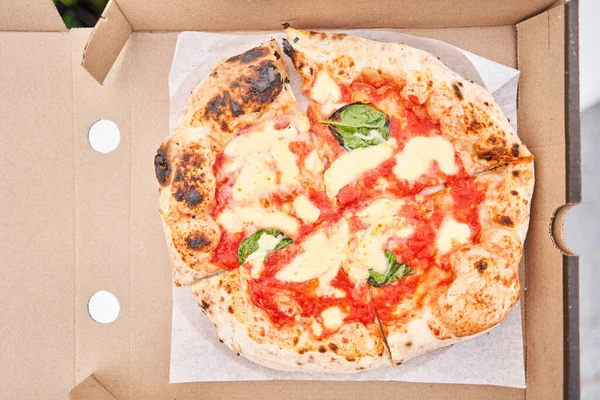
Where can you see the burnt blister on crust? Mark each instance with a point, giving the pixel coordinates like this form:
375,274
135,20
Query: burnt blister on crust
162,168
196,241
259,86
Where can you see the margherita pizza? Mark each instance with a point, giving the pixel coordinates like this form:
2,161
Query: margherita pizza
387,222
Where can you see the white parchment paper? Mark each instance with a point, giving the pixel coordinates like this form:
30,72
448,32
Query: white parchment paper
493,358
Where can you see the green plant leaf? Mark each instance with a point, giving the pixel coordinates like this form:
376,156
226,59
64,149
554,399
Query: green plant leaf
250,244
394,272
359,125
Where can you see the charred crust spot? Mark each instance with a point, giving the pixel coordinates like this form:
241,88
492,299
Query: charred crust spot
515,149
505,220
457,91
191,196
299,363
277,55
296,39
515,173
302,351
228,289
398,362
459,83
295,341
486,103
162,168
408,344
285,25
236,109
260,85
214,74
250,55
204,305
286,80
333,347
221,340
481,265
379,71
322,349
288,49
178,176
350,358
514,192
196,241
230,310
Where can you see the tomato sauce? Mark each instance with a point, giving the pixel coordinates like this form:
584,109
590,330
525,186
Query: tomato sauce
283,300
225,254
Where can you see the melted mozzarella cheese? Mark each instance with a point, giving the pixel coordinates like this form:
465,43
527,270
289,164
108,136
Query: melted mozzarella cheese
451,233
322,257
420,152
236,219
383,225
258,154
317,328
305,210
255,178
266,243
325,90
351,165
313,163
332,317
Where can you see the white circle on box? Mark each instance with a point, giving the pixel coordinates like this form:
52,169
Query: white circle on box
103,307
104,136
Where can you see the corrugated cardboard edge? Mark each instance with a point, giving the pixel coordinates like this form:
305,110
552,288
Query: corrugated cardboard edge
90,389
570,262
106,42
30,16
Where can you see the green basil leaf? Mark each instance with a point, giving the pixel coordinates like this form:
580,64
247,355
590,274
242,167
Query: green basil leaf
359,125
394,272
250,244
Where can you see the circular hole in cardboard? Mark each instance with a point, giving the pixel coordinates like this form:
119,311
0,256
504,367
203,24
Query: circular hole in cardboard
103,307
104,136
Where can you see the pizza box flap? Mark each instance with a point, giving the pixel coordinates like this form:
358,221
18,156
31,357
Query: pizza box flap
119,20
30,16
75,221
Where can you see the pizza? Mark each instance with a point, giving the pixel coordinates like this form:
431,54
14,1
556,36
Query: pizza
386,221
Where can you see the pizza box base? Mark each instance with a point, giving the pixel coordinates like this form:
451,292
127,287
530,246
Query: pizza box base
75,221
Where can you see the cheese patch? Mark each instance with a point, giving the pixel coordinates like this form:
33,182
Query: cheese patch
235,220
322,257
351,165
305,210
420,152
452,233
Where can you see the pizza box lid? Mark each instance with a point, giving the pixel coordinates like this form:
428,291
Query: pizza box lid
75,221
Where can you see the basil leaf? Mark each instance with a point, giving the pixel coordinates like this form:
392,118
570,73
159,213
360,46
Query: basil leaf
359,125
250,244
394,272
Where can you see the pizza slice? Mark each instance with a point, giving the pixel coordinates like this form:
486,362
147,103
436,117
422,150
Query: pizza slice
241,159
444,266
391,118
291,306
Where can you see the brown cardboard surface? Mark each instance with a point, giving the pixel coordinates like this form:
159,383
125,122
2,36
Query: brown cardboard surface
542,127
37,235
30,15
90,389
181,15
106,42
78,221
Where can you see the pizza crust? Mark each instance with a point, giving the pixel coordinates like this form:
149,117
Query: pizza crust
248,331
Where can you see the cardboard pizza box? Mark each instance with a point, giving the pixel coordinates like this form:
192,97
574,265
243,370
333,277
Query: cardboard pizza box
74,221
